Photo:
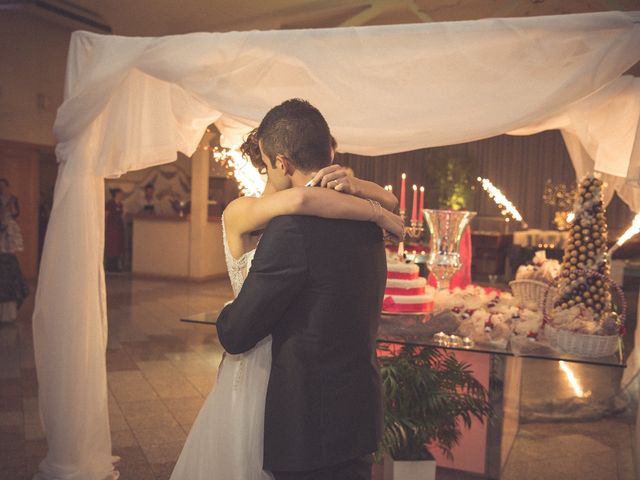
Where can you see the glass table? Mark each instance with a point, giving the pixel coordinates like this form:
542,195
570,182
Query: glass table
417,330
497,366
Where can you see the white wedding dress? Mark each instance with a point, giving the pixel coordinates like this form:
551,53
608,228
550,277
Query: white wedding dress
226,440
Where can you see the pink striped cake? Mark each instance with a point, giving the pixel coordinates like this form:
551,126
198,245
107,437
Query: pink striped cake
406,290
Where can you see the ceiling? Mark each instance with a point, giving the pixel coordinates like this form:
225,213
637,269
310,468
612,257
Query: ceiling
167,17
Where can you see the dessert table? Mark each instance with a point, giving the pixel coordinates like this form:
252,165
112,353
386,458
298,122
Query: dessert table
485,448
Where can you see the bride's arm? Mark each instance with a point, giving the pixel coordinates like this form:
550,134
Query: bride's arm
342,180
247,214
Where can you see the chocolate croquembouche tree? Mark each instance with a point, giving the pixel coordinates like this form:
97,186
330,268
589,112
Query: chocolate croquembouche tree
586,250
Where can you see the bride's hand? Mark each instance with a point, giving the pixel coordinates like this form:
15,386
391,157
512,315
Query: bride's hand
337,178
391,223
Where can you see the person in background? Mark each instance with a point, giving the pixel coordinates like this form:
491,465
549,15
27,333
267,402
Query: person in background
148,204
114,229
13,289
10,233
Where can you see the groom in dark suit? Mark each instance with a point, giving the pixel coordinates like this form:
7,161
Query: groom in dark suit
316,286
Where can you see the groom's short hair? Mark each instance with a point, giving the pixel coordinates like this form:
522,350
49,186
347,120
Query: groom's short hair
297,130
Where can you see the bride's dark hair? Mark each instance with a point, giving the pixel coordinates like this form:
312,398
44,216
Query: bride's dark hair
250,149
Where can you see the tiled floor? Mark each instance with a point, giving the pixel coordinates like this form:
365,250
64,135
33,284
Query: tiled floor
160,370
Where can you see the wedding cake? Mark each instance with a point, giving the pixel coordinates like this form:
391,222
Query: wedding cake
406,291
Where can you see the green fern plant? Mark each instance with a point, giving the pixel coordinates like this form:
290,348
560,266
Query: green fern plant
427,391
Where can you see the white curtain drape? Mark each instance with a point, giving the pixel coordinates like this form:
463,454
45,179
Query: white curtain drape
133,102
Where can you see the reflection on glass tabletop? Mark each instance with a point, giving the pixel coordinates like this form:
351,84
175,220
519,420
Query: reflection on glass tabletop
418,330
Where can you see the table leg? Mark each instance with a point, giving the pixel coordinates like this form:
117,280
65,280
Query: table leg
504,395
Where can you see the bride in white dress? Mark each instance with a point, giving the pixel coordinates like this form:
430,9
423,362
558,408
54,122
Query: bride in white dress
226,440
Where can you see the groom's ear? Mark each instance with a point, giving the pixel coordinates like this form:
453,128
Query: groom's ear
284,164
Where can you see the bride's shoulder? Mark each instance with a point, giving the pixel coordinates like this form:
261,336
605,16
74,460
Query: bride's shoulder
237,209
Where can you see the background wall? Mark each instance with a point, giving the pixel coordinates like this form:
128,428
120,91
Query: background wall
519,166
33,56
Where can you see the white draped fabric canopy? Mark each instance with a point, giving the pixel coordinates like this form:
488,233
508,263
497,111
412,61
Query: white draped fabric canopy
133,102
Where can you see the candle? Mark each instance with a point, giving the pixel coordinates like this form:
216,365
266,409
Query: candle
414,210
403,193
421,203
391,188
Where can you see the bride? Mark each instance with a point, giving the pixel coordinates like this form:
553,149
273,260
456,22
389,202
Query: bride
226,440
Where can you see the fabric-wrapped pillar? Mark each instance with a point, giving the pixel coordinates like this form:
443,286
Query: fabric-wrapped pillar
70,332
198,221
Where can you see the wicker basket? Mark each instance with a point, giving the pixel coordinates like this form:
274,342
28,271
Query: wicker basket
582,344
532,291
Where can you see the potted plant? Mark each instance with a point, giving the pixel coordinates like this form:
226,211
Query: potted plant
427,392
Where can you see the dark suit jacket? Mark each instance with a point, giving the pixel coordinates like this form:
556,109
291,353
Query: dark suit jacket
317,287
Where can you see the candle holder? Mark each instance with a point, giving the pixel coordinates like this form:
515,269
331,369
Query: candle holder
413,232
441,339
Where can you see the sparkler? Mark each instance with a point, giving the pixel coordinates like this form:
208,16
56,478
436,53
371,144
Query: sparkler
631,231
505,206
250,181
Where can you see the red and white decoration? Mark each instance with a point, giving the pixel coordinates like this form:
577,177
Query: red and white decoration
406,291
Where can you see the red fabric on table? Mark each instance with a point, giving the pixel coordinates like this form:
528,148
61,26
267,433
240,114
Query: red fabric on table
392,349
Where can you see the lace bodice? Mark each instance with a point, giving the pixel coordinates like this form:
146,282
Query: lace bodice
238,267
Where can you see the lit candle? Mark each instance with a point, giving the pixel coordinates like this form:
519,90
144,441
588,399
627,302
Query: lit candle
421,203
414,210
403,193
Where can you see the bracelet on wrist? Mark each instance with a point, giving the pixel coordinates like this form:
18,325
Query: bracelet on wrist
376,211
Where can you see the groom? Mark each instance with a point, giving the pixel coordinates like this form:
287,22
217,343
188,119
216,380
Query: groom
316,286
